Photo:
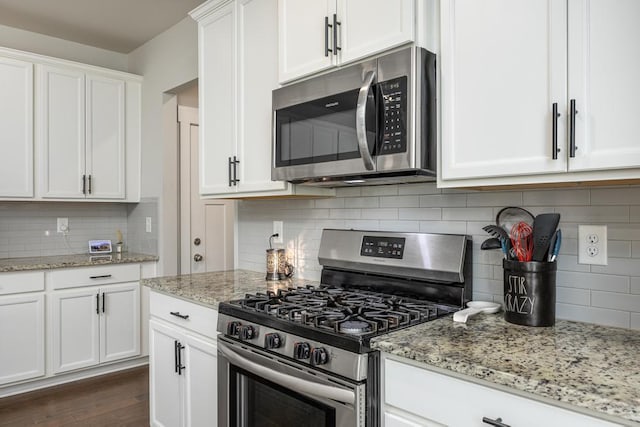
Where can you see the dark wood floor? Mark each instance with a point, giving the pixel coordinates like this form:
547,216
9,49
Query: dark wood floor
119,399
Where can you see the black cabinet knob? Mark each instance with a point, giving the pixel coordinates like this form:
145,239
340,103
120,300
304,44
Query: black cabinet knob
272,340
319,356
246,333
232,328
301,350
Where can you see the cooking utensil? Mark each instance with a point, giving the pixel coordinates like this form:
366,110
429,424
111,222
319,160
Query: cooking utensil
491,243
511,215
556,241
544,225
496,231
475,307
522,240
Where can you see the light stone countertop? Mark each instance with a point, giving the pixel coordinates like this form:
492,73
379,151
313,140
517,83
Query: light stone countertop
69,261
595,368
211,288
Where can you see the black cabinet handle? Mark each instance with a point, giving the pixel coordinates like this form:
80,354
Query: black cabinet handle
84,184
103,302
89,184
326,36
180,365
336,48
177,314
103,276
497,422
235,170
572,128
229,172
175,356
98,303
554,134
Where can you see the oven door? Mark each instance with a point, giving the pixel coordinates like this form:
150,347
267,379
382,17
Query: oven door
258,389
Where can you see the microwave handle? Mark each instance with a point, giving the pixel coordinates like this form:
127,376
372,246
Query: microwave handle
293,383
361,123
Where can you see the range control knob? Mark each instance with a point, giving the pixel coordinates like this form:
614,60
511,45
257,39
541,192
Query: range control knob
301,350
272,340
319,356
232,328
246,333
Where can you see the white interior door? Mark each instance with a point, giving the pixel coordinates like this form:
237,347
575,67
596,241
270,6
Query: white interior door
206,226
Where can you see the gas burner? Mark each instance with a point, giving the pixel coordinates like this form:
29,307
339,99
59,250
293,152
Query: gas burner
354,327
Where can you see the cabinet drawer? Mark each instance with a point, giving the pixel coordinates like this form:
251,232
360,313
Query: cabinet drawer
436,397
89,276
14,283
202,320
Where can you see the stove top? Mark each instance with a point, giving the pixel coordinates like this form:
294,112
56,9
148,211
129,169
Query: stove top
334,315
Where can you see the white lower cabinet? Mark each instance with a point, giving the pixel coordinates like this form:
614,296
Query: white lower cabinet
419,397
94,325
21,337
183,363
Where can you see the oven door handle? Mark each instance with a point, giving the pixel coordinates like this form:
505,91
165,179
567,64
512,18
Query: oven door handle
361,120
288,381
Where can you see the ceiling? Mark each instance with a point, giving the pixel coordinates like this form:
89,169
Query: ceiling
117,25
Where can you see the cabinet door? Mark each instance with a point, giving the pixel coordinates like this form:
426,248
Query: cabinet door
257,77
105,142
603,80
119,322
304,38
201,382
503,66
61,130
165,393
16,128
22,337
75,329
216,44
371,26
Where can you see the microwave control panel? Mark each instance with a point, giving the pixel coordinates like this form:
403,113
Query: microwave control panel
393,95
383,247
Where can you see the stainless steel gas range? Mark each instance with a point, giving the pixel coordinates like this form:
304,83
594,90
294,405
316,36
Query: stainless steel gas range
301,357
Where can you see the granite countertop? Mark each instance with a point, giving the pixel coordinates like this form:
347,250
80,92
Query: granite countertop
211,288
592,367
67,261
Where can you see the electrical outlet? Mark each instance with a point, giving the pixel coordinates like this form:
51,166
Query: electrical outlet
278,227
148,224
63,225
592,244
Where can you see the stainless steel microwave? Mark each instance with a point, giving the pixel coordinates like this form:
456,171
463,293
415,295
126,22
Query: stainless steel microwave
369,123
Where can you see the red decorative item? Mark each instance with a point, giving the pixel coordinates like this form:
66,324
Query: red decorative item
522,241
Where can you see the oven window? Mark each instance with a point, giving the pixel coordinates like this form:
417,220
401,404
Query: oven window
322,130
260,403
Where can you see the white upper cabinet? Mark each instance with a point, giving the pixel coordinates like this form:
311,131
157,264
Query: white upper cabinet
16,128
82,134
238,60
318,34
507,67
604,66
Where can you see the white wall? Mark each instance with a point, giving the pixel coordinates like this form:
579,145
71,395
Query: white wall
15,38
167,61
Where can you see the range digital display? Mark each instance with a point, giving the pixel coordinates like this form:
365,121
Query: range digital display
383,247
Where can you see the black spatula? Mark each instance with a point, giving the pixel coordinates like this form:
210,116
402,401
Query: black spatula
544,225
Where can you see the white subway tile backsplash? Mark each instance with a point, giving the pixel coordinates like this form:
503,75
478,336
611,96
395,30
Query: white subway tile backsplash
615,301
399,201
597,294
465,214
601,316
443,201
556,198
424,214
502,198
615,196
